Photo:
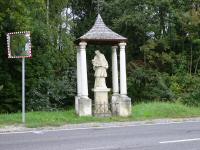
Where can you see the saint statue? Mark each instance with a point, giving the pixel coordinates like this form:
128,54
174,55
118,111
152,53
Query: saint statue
100,65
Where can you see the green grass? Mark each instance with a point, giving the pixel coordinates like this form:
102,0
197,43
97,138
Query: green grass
157,110
143,111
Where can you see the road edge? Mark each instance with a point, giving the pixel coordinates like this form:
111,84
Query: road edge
22,128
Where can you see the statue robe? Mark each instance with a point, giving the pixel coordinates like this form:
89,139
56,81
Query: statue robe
100,65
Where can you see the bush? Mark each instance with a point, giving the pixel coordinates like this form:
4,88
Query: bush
186,88
192,99
149,85
51,93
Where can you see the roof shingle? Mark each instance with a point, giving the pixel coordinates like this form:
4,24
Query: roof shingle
101,34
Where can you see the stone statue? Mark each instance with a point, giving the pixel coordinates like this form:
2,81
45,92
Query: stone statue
100,65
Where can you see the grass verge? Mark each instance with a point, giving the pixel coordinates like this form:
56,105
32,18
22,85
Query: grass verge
143,111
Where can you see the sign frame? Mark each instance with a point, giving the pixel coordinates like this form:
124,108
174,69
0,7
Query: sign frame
27,46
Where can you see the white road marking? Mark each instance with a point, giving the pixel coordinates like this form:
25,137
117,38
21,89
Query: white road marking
179,141
100,127
97,148
38,132
15,132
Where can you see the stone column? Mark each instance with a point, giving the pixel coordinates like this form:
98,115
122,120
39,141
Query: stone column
84,80
123,84
77,98
78,58
115,81
124,102
84,104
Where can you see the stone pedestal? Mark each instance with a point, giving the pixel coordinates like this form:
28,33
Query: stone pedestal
124,106
83,106
101,105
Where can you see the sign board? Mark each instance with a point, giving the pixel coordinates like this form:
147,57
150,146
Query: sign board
19,44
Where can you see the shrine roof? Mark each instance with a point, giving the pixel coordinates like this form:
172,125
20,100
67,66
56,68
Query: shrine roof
101,34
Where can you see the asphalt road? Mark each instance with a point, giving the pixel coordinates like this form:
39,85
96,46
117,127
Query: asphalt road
175,136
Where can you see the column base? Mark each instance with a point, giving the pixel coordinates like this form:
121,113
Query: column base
83,106
114,104
124,106
76,103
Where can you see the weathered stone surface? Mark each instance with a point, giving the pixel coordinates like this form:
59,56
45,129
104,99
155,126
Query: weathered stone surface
84,106
100,65
114,104
101,100
124,106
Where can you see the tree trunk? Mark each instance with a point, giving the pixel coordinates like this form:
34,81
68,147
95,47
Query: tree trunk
191,58
196,67
47,12
162,22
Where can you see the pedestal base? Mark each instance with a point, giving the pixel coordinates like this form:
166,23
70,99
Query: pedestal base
83,106
124,106
101,105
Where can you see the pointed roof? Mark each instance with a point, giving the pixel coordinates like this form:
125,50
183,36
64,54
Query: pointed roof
101,34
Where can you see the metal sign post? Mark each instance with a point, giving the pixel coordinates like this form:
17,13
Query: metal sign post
23,91
19,46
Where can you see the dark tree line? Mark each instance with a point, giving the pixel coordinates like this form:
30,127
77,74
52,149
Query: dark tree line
163,50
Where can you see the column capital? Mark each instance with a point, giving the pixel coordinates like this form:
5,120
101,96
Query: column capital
114,47
82,45
123,44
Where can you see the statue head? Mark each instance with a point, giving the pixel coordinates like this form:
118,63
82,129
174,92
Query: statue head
97,52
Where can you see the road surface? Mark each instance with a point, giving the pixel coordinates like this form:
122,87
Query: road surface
170,136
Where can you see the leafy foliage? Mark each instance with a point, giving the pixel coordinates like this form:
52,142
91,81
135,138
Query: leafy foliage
53,55
162,53
145,85
53,93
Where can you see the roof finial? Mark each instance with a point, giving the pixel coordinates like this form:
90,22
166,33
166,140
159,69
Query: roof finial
99,4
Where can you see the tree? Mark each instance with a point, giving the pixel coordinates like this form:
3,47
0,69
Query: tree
49,65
